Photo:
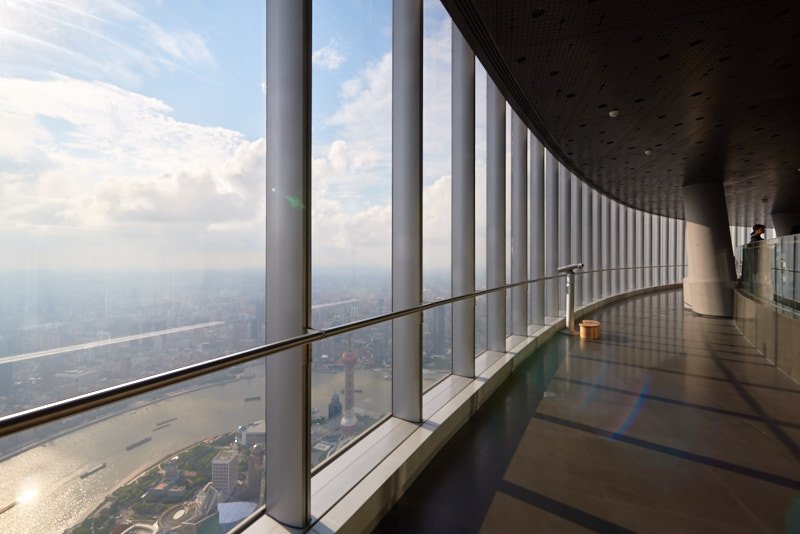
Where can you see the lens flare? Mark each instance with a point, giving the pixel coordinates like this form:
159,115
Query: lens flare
27,496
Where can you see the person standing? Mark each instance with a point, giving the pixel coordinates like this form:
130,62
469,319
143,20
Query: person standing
757,235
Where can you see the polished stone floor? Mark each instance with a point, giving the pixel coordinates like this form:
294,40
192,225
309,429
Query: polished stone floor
669,423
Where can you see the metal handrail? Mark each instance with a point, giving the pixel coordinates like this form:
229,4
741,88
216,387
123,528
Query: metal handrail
27,419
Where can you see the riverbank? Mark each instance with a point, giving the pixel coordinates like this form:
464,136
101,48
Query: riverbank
135,476
136,405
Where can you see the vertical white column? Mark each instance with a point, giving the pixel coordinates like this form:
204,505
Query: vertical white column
407,207
288,273
681,249
576,235
597,246
537,230
551,232
587,220
648,249
564,230
672,250
623,250
614,245
708,287
640,244
463,202
664,243
605,244
631,242
495,215
519,225
656,254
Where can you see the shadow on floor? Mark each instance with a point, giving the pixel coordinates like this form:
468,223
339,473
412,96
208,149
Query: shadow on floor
664,425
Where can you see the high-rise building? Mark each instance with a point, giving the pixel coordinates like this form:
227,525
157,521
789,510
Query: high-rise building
334,407
439,330
349,420
224,469
255,470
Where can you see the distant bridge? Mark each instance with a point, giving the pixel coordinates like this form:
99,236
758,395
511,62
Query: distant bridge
105,342
332,304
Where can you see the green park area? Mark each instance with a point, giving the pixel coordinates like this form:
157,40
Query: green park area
133,503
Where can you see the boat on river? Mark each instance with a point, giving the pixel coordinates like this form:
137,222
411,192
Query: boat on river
136,444
93,470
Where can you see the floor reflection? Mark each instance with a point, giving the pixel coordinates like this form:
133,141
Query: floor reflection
670,422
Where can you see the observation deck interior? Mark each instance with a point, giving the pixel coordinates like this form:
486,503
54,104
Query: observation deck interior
671,422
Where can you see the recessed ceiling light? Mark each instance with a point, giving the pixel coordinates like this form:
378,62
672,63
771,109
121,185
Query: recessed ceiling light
613,113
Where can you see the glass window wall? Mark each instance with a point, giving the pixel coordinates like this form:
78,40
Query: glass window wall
134,201
437,357
351,217
131,192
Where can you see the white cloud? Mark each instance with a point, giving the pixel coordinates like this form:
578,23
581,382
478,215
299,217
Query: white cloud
94,39
109,176
329,57
351,205
185,46
94,175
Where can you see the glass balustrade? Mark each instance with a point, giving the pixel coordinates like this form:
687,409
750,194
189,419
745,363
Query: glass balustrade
770,271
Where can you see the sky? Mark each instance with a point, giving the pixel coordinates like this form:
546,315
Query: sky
132,135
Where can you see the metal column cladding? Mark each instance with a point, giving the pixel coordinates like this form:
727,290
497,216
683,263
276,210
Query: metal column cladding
495,215
659,260
564,229
288,229
631,242
613,245
647,249
639,249
463,202
622,233
407,207
681,253
656,233
664,252
587,257
577,235
597,246
605,244
519,225
551,232
671,250
537,230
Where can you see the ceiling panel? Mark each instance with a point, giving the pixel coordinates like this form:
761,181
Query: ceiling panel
709,88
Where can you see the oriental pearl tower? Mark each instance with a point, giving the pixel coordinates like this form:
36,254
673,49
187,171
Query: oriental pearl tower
349,420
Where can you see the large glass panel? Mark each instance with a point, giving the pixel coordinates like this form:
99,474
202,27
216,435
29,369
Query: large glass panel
131,191
351,137
192,453
436,194
481,325
480,205
437,345
436,148
509,118
351,387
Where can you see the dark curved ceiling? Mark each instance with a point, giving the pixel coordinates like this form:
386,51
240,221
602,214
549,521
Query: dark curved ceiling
711,87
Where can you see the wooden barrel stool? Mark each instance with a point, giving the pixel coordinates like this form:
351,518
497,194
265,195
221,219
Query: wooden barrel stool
590,329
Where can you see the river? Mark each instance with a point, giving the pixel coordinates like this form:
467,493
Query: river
45,480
